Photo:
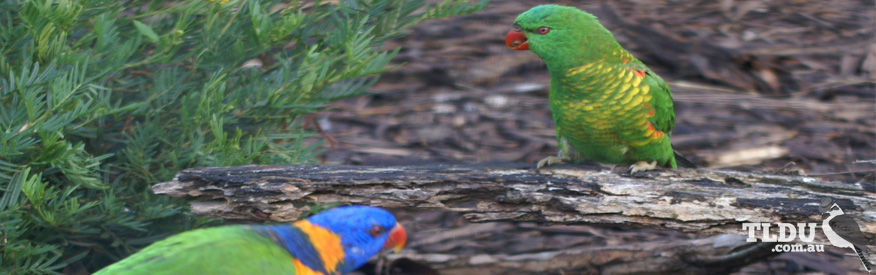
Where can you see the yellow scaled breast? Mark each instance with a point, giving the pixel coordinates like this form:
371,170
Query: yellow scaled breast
605,105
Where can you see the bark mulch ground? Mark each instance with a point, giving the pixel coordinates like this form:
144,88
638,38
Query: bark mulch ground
773,86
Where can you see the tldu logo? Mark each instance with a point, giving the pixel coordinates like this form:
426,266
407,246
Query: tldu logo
787,232
841,230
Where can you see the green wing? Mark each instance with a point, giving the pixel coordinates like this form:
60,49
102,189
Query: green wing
218,250
661,100
664,117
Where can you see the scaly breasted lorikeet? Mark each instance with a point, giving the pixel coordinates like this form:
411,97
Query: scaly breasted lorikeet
606,104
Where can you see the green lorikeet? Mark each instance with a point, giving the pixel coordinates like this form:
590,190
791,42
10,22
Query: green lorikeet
606,104
336,241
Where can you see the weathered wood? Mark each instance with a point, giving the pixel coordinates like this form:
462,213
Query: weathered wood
504,199
701,201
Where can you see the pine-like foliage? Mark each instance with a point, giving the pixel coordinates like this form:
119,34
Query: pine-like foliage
100,99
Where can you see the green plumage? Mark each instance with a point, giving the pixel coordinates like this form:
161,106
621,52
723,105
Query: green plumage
217,250
336,241
606,104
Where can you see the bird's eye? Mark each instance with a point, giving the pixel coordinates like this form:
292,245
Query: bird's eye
376,230
543,30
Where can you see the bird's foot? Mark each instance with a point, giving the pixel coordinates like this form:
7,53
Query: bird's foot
642,166
548,161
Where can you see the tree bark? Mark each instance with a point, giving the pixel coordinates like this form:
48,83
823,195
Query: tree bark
706,202
701,201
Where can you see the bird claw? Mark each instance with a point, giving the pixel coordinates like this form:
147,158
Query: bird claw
642,166
548,161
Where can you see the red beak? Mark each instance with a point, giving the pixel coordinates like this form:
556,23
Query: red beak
516,41
397,238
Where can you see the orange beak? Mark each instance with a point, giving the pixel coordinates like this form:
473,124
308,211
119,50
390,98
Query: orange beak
397,238
516,41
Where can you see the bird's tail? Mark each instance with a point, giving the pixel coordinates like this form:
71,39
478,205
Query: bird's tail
682,161
868,266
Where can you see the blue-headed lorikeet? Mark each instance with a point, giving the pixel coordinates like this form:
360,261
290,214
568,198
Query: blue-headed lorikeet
335,241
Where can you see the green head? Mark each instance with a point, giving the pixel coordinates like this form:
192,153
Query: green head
562,36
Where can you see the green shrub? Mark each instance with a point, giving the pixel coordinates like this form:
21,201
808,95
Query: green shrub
101,99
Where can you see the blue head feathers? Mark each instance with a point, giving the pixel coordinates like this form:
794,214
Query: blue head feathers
364,232
338,240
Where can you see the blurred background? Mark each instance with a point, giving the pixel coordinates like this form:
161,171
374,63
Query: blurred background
781,87
774,86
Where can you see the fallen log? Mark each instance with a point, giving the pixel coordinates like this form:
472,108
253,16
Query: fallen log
706,202
701,201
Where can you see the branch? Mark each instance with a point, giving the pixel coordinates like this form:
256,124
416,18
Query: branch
701,201
506,198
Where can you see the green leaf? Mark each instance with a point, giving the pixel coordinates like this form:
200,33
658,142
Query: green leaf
147,31
13,190
92,114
